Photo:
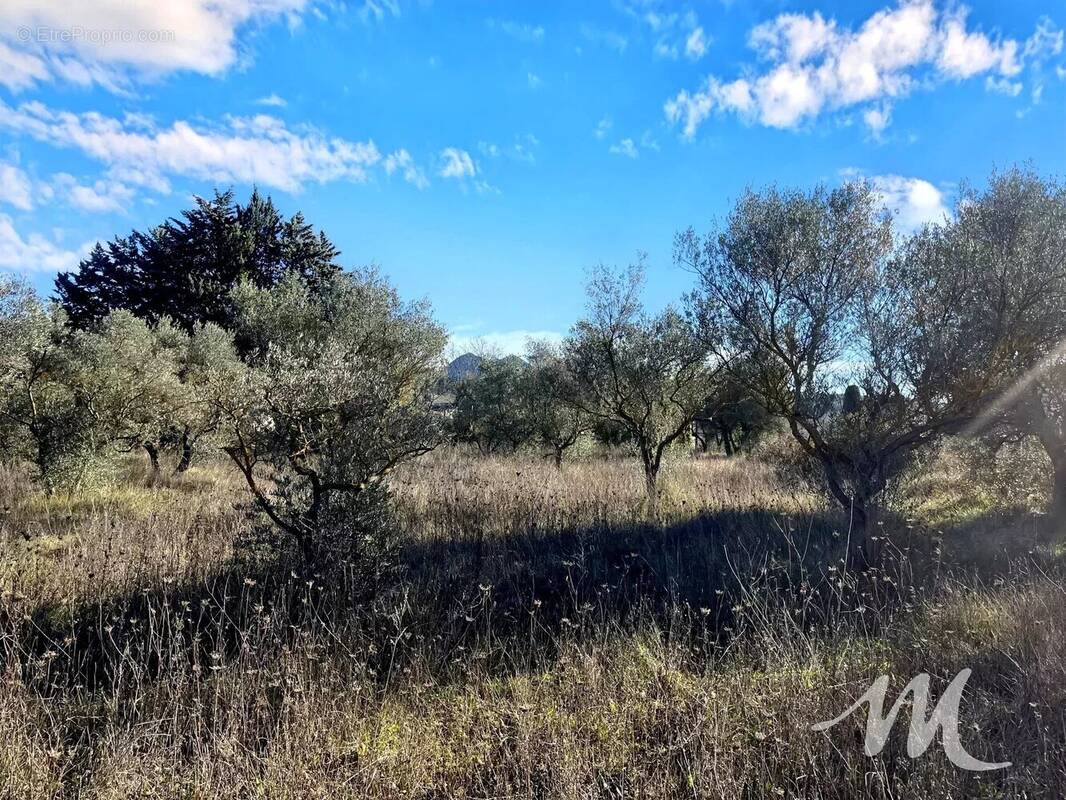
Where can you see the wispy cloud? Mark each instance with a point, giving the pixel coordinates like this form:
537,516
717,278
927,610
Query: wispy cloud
625,147
675,31
259,149
35,253
98,197
522,31
402,162
456,163
272,101
523,148
16,188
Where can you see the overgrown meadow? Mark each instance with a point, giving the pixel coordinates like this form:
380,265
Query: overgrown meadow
539,638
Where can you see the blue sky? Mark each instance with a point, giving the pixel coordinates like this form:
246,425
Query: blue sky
484,155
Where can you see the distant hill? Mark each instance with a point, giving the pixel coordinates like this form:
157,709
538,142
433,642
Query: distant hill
468,365
465,366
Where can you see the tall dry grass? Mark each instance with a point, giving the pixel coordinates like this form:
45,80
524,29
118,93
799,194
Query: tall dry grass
542,639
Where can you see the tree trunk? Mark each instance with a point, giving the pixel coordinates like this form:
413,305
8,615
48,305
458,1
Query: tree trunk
651,486
1051,438
153,457
727,440
1055,523
186,452
558,457
859,556
1057,510
857,505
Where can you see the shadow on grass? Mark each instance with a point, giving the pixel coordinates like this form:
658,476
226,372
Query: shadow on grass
500,604
506,601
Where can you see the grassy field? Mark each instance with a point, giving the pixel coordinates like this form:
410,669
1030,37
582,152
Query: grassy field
540,639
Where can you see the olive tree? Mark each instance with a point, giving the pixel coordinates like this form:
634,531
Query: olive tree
35,402
546,389
337,395
207,363
488,406
70,398
988,293
791,278
734,417
124,377
650,374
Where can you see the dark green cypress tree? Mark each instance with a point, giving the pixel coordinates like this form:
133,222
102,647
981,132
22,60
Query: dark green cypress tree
185,268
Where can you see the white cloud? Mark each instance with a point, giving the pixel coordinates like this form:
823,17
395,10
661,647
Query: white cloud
272,100
912,201
16,189
815,65
456,164
792,37
20,70
34,253
259,149
675,32
1003,86
603,127
534,80
401,160
101,196
377,10
523,32
503,342
625,148
1046,41
877,118
108,42
524,149
964,54
696,44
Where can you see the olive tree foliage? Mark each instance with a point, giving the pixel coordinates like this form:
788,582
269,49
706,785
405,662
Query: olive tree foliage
989,288
337,394
489,408
37,405
734,418
123,374
207,363
72,399
546,390
790,279
651,375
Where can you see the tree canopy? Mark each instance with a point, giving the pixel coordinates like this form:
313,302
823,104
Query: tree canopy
185,268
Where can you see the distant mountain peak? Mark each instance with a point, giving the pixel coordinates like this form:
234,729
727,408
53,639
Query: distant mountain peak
465,366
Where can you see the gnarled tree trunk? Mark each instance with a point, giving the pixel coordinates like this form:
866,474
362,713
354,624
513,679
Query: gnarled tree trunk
185,461
153,457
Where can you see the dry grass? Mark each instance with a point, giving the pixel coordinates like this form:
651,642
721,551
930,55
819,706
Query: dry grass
542,641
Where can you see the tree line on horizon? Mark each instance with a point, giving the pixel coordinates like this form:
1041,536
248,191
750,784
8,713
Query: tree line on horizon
234,327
